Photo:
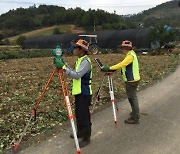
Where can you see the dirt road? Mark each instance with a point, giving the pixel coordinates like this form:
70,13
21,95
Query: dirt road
157,133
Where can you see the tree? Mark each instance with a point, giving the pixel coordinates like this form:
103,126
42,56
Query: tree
56,30
6,41
162,35
20,40
87,19
1,37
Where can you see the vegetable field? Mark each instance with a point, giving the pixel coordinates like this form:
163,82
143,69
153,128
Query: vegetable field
22,81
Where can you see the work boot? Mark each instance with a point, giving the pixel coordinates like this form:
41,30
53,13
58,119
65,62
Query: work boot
132,120
79,132
86,137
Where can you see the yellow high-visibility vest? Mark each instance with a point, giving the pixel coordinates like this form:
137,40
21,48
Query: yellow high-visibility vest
131,71
82,85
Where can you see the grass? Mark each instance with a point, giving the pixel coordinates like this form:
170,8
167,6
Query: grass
48,31
22,81
18,53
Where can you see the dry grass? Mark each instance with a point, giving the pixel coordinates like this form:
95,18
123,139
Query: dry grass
49,31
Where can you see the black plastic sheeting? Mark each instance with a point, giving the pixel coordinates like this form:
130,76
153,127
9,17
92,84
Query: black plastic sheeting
43,42
105,39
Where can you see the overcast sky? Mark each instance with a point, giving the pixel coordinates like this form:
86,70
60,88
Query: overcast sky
122,7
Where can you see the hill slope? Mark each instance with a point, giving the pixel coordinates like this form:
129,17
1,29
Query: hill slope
168,13
49,31
22,20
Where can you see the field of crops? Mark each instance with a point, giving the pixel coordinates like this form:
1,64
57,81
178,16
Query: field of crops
22,81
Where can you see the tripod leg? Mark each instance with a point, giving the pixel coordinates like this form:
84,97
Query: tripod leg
68,107
111,91
16,145
97,96
45,88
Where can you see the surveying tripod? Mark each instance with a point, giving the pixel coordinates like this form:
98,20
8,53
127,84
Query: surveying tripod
111,92
67,103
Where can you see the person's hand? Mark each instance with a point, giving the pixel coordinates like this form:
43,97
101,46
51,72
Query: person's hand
59,63
105,68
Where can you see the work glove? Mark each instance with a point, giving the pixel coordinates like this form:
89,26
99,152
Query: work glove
105,68
59,63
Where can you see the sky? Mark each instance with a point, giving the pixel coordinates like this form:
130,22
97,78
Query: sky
121,7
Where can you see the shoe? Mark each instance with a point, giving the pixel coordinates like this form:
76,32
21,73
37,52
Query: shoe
132,120
131,114
84,143
86,137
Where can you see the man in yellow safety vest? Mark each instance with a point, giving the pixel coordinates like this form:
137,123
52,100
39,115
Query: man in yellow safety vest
81,89
130,73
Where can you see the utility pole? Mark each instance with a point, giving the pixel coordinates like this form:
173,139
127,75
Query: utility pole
94,26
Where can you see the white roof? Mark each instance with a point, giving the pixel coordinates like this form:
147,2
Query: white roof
89,35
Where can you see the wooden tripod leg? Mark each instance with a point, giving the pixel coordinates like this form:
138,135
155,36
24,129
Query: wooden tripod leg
45,88
16,144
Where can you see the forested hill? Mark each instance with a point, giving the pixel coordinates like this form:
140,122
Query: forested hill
166,13
23,20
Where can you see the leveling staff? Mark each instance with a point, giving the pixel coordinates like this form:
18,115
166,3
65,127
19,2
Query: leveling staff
130,73
81,89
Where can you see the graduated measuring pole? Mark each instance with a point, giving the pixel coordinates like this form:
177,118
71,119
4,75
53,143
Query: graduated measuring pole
111,92
67,103
68,107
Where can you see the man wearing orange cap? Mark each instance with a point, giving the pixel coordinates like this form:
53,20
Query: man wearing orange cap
130,73
81,89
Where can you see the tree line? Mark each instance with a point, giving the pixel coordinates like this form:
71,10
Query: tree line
167,13
22,20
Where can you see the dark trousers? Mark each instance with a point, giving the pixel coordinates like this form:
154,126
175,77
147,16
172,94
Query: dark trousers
131,89
82,103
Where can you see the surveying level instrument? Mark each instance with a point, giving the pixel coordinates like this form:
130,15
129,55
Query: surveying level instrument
111,90
57,54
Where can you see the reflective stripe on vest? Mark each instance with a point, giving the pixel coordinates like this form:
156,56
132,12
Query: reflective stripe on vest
131,71
82,85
